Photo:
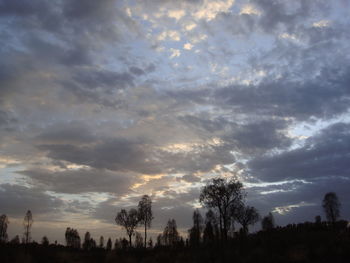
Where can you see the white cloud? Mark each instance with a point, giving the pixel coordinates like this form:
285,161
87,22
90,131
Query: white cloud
175,53
322,23
190,26
210,9
170,35
198,38
249,10
177,14
188,46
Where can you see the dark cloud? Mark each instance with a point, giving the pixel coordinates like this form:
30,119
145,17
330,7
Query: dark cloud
15,200
80,181
326,154
114,154
190,178
71,132
322,97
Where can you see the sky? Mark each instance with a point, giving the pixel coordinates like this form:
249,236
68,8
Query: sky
102,102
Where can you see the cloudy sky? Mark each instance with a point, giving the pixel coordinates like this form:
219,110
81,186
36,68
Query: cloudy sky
104,101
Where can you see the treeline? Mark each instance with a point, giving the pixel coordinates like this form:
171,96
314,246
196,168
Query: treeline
226,207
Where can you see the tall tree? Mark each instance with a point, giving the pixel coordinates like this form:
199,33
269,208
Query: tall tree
102,242
331,206
268,222
170,234
72,238
27,224
145,214
109,244
3,228
195,233
246,215
87,244
128,220
221,195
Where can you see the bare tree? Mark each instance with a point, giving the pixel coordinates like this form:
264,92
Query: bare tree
128,220
27,224
145,214
268,222
331,206
221,194
3,228
246,215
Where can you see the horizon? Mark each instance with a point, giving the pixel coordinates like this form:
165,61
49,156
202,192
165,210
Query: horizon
103,102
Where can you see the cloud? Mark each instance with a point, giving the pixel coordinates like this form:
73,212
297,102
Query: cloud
15,200
324,155
80,181
188,46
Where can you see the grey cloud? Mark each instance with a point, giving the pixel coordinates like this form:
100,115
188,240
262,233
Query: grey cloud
71,132
102,78
114,154
190,178
15,200
259,137
324,155
136,71
80,181
322,97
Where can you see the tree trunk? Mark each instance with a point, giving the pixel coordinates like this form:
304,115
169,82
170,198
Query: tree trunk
145,235
130,241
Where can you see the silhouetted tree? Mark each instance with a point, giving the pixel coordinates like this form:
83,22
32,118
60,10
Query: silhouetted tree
102,242
318,219
195,233
72,238
221,195
138,240
128,220
170,235
331,206
150,243
3,228
27,224
246,215
15,240
89,243
268,222
145,213
109,244
211,230
45,241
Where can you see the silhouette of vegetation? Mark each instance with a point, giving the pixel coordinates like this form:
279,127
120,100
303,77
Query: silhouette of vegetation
331,206
128,220
223,196
268,222
3,228
317,241
45,241
246,215
195,233
145,214
27,223
72,238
